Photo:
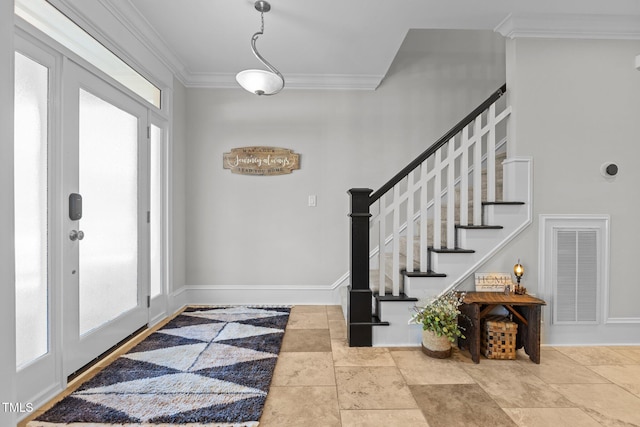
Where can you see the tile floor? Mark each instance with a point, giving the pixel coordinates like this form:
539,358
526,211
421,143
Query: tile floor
320,381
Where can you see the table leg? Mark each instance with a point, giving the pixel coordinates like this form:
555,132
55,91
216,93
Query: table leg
470,319
532,338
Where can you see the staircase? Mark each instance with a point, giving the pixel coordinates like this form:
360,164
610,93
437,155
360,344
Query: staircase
433,225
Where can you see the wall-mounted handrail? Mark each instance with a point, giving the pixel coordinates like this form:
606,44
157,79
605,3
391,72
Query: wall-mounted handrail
438,144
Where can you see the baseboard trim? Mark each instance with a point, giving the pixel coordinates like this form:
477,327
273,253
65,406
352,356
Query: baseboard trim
254,295
626,333
623,320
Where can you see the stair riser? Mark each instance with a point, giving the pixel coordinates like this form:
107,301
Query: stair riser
398,333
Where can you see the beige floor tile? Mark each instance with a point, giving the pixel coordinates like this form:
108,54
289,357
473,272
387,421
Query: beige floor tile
304,369
301,406
626,376
630,352
383,418
306,340
589,356
608,404
459,405
515,387
556,417
556,368
312,320
418,368
335,312
297,309
372,388
343,355
337,329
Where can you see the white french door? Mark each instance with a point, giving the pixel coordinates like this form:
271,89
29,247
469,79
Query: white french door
105,249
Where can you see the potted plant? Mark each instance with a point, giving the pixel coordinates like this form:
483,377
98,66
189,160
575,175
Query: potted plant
439,320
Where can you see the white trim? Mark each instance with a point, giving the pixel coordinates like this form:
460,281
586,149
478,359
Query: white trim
116,36
625,320
638,62
125,12
131,18
573,26
293,81
546,221
224,295
7,247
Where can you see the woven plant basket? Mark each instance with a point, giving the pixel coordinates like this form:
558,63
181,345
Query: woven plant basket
435,346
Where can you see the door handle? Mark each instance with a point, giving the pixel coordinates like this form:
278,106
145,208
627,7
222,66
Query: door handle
76,235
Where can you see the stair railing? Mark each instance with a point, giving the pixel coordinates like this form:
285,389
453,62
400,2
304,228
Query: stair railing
411,200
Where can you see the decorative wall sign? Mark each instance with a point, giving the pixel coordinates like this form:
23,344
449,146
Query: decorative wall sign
261,161
492,282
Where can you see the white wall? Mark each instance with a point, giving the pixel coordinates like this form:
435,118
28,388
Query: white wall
250,231
7,302
575,106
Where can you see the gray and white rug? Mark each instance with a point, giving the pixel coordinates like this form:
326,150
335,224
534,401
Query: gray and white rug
208,366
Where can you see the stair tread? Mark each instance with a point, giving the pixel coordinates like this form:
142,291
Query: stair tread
375,321
429,273
502,203
451,250
400,298
480,227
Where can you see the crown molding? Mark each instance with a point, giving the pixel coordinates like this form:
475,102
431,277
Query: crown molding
131,18
574,26
292,81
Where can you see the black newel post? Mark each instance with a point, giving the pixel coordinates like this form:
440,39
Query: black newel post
359,302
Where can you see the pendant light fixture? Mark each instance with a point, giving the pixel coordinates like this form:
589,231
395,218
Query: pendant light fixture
261,82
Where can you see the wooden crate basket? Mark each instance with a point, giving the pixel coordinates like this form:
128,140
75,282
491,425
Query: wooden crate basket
498,338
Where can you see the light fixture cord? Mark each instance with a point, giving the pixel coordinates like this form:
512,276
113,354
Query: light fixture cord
257,54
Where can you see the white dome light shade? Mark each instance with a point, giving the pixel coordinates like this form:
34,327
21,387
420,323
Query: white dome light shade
260,82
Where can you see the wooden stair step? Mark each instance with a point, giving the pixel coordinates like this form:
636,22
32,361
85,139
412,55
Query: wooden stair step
452,250
429,273
479,227
502,203
400,298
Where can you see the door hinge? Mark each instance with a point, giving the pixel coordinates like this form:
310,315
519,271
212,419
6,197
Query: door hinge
148,217
148,301
148,132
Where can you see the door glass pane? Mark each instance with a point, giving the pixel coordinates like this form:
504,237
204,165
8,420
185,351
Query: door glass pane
30,169
156,211
108,159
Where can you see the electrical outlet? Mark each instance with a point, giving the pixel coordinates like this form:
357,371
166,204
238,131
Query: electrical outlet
312,201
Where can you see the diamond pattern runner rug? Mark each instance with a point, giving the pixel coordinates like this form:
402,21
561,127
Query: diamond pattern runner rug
207,366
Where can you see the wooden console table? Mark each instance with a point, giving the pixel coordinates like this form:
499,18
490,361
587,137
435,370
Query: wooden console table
526,313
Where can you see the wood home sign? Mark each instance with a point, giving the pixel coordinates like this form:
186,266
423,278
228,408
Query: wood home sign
261,161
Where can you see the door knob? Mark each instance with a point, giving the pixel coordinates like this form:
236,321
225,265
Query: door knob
76,235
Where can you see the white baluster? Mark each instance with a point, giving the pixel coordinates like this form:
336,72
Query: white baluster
437,201
424,226
410,225
451,195
477,172
395,256
464,177
491,154
382,251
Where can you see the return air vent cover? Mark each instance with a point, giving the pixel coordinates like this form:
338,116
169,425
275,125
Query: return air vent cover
576,276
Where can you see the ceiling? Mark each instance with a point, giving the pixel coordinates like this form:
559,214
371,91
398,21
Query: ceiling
343,43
